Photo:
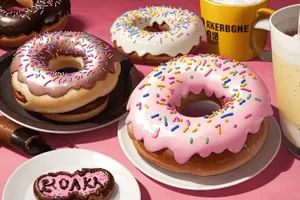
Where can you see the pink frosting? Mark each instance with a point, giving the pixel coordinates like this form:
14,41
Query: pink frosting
159,125
56,189
31,61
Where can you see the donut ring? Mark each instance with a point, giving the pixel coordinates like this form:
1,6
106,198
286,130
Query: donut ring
44,89
149,34
38,16
207,145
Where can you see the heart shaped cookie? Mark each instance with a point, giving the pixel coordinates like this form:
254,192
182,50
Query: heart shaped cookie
88,184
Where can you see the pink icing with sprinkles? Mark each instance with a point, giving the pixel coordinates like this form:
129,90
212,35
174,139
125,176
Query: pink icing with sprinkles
33,68
58,191
227,128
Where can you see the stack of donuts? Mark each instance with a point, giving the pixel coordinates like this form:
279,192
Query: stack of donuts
168,37
39,86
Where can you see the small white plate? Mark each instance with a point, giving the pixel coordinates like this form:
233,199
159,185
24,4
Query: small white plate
190,182
20,184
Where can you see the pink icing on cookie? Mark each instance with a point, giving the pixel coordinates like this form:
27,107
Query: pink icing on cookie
247,104
63,185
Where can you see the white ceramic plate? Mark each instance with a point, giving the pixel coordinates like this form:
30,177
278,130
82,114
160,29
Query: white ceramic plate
20,184
185,181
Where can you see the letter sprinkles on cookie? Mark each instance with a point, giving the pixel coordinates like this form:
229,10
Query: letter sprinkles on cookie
82,184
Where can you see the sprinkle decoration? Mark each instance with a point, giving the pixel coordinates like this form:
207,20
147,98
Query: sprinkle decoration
35,55
169,83
208,72
206,140
257,99
154,116
226,115
174,128
247,116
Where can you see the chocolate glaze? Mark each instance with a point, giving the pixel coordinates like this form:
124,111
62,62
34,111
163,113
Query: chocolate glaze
63,184
31,62
102,191
46,185
20,96
42,13
75,184
88,107
86,183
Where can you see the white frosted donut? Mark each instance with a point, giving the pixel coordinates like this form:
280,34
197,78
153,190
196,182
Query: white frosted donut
185,31
35,75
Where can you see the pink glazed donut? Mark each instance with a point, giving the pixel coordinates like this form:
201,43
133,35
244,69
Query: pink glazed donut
68,96
208,145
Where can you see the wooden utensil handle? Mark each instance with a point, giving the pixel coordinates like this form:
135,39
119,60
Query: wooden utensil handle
23,139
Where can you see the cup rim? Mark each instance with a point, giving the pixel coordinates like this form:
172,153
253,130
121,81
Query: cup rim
276,29
236,6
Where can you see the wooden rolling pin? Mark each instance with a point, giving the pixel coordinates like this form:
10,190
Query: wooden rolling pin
21,138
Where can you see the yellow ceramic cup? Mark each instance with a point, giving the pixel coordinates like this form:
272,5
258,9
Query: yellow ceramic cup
229,28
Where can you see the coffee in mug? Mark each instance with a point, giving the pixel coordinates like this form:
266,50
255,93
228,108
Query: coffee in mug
229,27
283,25
237,2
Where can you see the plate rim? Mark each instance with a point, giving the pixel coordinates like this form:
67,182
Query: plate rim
69,149
58,132
9,113
121,123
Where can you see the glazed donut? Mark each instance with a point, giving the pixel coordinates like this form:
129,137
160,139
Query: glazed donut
42,87
19,26
150,34
208,145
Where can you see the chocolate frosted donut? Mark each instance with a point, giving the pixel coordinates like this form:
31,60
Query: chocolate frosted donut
42,85
18,26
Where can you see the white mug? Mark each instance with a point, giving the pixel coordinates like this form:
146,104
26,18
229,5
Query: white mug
286,66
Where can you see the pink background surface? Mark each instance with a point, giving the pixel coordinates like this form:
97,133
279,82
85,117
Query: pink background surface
278,181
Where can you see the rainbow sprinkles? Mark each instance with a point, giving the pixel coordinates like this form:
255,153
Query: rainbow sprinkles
32,59
153,106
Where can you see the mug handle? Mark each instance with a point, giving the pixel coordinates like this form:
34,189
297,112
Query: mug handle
263,24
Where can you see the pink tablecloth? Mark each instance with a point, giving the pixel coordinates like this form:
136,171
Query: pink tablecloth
278,181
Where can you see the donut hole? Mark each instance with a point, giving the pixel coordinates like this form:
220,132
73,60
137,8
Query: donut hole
199,105
16,5
66,64
157,28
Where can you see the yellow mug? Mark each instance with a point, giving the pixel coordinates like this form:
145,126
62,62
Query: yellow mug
229,28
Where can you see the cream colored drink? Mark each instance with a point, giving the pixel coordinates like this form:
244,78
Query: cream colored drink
286,66
283,25
287,78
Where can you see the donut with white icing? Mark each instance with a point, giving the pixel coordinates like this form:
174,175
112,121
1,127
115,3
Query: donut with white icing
76,95
18,25
212,144
157,34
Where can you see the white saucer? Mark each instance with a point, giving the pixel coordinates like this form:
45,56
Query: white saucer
184,181
20,184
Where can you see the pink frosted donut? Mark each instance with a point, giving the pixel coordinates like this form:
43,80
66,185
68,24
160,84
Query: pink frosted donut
156,124
40,85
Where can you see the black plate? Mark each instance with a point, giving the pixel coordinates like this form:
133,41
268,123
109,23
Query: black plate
116,108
